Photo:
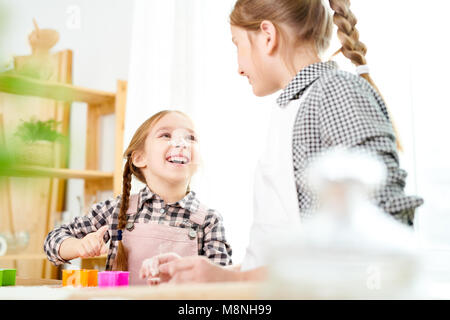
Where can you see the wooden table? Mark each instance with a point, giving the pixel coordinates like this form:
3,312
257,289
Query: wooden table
207,291
45,289
52,289
24,281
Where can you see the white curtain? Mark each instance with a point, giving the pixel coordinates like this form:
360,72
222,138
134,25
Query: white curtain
182,57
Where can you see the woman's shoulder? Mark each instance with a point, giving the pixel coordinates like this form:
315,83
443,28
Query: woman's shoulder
337,90
337,81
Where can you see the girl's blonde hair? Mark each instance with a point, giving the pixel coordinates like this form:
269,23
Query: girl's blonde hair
137,143
311,21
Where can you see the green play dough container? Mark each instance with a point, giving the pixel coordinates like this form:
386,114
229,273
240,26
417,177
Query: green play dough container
8,277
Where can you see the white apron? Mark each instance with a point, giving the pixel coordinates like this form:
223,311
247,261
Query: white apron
276,206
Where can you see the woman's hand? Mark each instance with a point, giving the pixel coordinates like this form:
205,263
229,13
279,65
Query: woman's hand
196,269
150,267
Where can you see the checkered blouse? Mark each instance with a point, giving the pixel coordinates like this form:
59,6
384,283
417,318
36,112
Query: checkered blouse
343,109
210,235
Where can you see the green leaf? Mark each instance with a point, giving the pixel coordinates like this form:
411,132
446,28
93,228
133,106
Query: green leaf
34,130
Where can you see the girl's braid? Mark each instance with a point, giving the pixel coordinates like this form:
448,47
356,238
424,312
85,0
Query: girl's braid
346,21
126,188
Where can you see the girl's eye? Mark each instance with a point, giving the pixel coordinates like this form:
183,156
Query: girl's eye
165,135
192,138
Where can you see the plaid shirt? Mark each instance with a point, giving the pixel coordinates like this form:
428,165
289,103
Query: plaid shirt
210,235
343,109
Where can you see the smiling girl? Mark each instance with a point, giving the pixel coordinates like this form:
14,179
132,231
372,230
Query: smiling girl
165,216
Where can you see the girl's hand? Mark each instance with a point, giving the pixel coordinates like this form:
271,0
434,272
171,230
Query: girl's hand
150,267
196,269
92,245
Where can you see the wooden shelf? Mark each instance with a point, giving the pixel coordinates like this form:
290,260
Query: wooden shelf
23,256
53,100
61,173
24,86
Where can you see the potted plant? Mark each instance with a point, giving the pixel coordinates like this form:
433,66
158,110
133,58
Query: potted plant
38,140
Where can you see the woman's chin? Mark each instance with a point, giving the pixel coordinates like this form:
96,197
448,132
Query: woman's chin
261,92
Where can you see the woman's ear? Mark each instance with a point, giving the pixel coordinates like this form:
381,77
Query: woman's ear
270,36
138,159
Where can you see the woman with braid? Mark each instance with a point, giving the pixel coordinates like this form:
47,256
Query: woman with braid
165,217
279,45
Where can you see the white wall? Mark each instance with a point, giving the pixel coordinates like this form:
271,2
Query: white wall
99,33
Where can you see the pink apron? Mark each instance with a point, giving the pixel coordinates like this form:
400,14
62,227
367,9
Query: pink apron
145,240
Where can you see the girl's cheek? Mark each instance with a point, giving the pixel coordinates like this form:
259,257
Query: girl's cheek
195,154
159,148
154,156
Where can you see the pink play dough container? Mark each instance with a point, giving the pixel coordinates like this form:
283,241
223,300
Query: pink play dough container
113,278
123,278
107,279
